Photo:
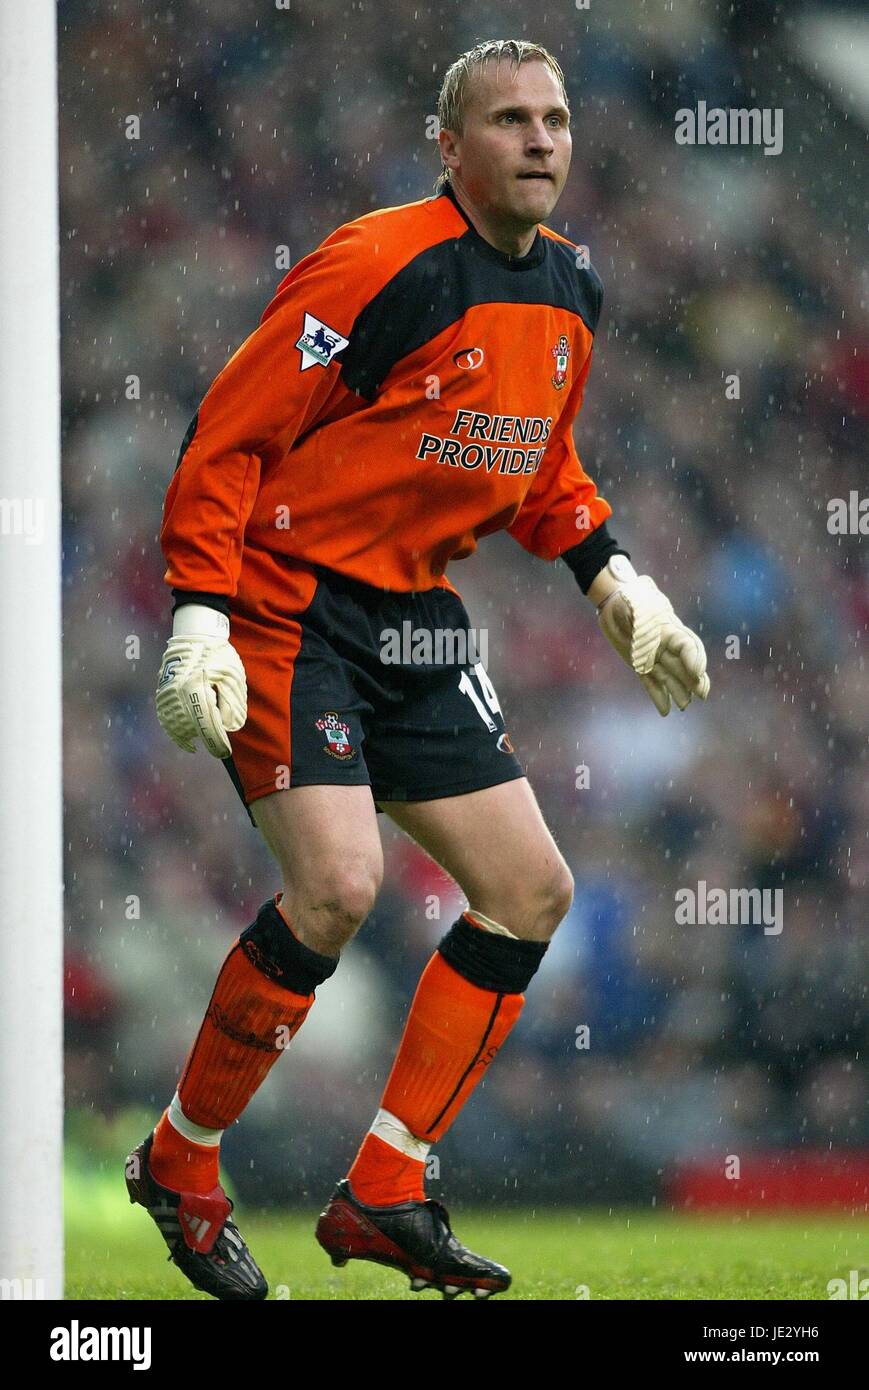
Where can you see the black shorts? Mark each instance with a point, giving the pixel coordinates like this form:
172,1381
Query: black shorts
349,685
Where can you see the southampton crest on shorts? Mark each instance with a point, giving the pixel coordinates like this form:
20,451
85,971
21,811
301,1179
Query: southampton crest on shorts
337,733
561,353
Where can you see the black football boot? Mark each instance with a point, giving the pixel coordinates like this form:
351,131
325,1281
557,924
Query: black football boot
414,1237
203,1240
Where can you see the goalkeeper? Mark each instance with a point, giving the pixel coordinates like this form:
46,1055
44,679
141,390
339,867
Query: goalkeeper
411,389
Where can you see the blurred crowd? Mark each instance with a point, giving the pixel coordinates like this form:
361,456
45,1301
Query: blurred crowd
262,128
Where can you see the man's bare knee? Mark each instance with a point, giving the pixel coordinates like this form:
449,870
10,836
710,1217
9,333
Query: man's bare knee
533,907
548,901
327,844
558,897
328,910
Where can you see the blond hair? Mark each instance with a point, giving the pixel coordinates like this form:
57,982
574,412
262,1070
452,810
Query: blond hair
453,96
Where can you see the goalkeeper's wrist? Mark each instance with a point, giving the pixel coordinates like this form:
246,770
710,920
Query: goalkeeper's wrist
615,574
589,557
201,596
198,620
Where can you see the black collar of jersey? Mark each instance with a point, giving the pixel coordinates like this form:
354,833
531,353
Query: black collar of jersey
485,248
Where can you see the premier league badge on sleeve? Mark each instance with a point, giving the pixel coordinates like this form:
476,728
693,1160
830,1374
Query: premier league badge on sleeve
318,343
561,353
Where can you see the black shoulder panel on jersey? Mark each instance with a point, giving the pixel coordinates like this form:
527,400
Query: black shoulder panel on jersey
187,440
438,287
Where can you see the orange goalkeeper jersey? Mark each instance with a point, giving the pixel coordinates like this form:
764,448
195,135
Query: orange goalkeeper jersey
410,388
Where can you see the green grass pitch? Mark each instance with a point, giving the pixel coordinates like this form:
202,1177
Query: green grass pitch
114,1251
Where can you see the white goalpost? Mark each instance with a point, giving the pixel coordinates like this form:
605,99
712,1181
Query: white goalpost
31,892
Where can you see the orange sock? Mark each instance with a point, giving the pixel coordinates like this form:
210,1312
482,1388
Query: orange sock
179,1163
381,1174
248,1023
452,1033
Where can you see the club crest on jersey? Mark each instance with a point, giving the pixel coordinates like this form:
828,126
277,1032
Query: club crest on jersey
318,343
337,733
561,353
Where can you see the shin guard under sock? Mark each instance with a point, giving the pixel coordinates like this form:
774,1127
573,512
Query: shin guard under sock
263,994
467,1001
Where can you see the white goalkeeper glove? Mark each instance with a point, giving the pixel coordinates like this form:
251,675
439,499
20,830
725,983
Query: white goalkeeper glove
202,687
639,621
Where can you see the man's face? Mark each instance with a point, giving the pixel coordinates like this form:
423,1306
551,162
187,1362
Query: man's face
516,127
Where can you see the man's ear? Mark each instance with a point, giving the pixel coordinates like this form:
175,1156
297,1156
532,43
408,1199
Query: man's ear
447,143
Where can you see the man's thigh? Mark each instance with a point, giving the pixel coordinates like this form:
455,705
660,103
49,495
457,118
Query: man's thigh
327,843
497,846
311,828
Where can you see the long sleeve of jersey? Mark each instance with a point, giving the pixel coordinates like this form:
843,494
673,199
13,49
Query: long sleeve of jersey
409,390
257,408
